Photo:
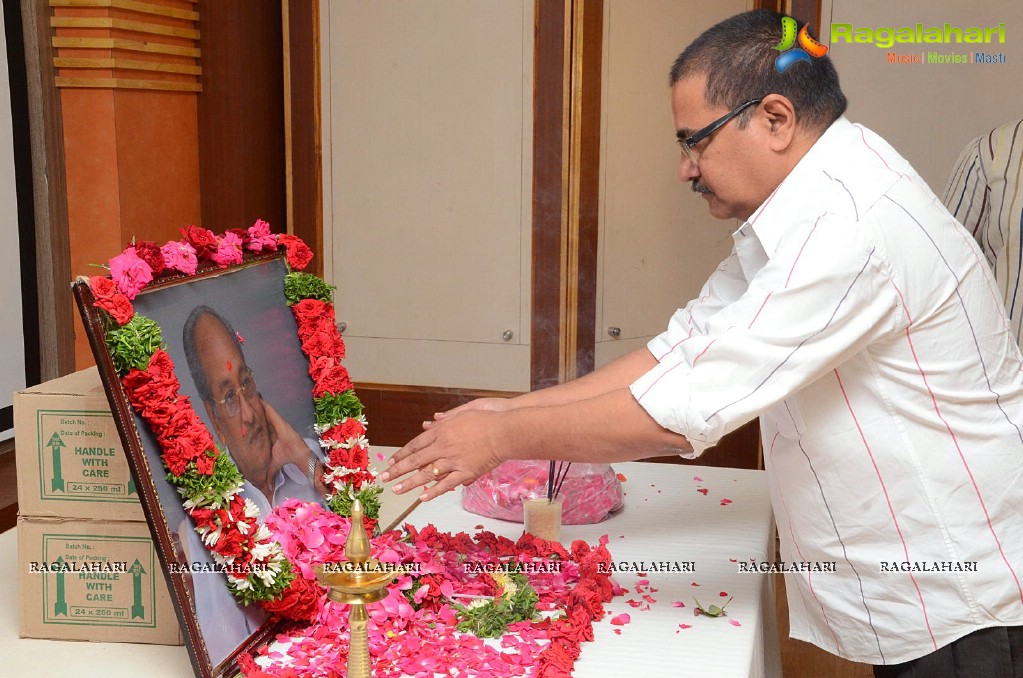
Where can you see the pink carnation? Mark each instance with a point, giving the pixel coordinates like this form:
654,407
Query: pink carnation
260,237
229,250
180,256
130,272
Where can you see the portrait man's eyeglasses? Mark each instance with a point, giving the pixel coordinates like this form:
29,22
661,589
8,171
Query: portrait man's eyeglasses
231,403
688,144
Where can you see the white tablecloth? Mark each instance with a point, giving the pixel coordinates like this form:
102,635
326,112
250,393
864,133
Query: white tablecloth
666,521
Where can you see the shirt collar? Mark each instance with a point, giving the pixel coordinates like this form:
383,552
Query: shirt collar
794,196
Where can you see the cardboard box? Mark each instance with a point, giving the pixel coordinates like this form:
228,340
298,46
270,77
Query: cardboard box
70,458
93,580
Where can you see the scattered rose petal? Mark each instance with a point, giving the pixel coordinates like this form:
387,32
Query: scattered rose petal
723,594
677,603
649,599
698,479
621,477
685,626
726,502
734,622
702,490
618,631
380,456
621,619
478,527
694,584
642,582
732,560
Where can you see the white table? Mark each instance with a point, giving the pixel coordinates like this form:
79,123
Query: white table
665,519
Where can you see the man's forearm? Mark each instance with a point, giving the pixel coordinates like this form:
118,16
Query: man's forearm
605,428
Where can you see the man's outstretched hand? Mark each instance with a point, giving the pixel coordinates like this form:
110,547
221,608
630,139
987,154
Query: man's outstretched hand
455,449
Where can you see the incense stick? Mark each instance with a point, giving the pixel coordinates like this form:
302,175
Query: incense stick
556,478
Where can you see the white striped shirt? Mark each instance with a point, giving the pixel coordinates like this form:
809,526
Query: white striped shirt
985,195
860,321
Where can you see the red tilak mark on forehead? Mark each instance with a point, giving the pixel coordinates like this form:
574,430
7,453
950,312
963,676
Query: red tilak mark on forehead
228,365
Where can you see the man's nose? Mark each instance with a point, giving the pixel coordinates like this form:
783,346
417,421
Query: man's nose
687,169
246,411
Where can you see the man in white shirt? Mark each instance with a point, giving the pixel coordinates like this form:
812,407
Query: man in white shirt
860,322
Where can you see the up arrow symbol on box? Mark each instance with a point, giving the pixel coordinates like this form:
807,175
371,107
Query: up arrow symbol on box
60,606
136,569
55,444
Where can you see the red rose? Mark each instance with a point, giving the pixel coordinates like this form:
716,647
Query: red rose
201,239
355,458
325,340
232,543
298,602
297,252
556,661
158,413
108,298
329,376
348,429
309,314
204,463
149,252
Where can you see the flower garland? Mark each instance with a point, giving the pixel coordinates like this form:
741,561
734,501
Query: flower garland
416,629
207,479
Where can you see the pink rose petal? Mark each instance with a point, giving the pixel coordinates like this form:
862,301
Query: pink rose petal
621,619
734,622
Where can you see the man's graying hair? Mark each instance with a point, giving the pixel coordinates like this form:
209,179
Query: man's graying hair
737,57
199,378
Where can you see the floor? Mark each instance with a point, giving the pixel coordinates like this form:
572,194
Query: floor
799,659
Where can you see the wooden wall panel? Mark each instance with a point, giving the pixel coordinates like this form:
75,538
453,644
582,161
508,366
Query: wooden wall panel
241,114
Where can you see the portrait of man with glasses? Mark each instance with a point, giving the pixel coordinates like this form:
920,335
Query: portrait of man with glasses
275,460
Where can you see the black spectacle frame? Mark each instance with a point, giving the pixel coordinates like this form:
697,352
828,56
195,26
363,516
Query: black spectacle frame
689,142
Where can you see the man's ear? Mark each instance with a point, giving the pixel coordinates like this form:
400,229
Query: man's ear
780,117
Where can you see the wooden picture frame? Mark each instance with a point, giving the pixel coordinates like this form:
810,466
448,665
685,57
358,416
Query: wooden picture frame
250,297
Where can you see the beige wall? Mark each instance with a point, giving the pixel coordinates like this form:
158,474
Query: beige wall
928,112
427,166
657,242
429,171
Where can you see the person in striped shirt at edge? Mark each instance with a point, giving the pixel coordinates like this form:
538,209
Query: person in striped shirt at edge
985,194
861,323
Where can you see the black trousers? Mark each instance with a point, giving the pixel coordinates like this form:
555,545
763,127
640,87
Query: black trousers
995,652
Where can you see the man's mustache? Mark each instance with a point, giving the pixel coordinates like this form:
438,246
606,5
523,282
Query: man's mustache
699,187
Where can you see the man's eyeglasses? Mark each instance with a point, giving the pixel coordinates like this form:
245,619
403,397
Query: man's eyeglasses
688,144
232,401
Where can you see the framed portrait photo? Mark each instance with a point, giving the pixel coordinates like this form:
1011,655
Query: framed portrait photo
217,417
